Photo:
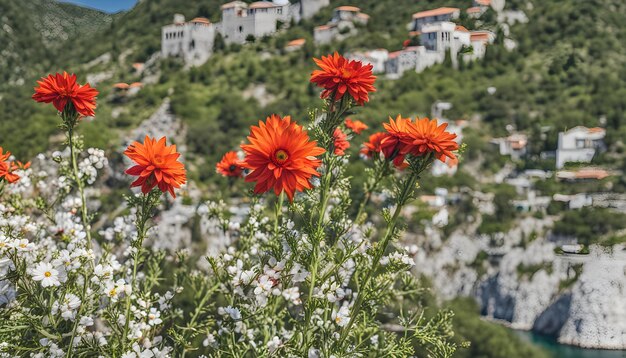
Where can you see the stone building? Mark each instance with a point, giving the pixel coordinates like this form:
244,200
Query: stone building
192,41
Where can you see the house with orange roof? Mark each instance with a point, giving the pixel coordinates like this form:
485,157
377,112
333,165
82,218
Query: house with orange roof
513,145
579,144
294,45
433,16
341,25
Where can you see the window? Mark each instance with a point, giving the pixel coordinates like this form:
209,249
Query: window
192,45
279,10
240,28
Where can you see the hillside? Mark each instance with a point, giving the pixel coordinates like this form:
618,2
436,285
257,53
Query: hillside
567,69
32,30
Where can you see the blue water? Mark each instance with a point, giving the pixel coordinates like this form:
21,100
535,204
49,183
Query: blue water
564,351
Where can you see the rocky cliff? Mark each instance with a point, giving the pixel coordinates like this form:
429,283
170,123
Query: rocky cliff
579,299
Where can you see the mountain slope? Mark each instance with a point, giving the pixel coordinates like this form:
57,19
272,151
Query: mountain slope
32,30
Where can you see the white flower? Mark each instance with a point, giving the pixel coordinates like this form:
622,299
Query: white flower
234,313
154,317
292,294
46,273
341,317
67,306
86,321
209,340
273,344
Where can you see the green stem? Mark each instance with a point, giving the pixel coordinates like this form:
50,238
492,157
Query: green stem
79,185
279,211
391,228
142,218
78,316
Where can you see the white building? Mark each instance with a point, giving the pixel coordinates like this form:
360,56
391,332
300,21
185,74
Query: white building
404,60
579,144
513,145
341,25
376,58
192,41
433,16
479,41
444,36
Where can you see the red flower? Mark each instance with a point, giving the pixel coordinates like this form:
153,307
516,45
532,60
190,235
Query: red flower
355,126
156,165
7,168
280,157
230,165
60,88
427,136
340,142
339,75
374,145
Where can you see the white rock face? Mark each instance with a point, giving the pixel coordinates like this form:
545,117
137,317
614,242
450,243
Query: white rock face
597,314
580,299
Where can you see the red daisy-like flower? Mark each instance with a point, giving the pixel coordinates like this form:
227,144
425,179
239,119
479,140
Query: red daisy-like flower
156,165
428,136
340,142
374,145
280,156
356,126
7,169
230,165
338,76
59,89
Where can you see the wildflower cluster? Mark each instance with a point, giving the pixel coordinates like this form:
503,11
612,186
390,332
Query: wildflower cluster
298,269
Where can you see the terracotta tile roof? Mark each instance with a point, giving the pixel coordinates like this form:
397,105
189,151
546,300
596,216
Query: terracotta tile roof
596,130
363,16
592,174
483,2
435,12
473,10
296,42
479,36
348,8
121,85
394,54
201,20
461,28
322,27
136,84
414,33
261,5
228,5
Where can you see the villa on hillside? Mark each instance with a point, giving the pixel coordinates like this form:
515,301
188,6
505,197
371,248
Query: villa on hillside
341,25
193,41
579,144
513,145
434,16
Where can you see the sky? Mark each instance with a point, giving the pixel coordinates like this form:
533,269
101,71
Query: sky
110,6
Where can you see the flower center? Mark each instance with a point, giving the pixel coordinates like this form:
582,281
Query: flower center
281,156
345,73
47,274
158,160
232,168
